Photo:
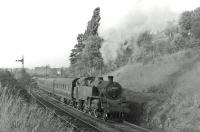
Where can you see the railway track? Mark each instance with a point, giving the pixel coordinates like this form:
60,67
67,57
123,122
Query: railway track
81,121
73,121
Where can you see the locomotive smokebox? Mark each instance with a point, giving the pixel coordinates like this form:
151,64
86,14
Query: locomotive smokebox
110,79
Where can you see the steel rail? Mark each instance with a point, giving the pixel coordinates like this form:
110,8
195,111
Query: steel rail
125,123
107,124
54,112
136,127
123,127
61,117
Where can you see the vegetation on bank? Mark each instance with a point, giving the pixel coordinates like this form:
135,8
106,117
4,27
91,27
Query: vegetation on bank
164,75
159,68
18,113
162,67
165,93
86,56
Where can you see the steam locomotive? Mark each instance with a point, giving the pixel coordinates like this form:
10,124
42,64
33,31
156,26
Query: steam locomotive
93,95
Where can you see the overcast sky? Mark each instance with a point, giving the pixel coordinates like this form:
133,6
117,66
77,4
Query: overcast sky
45,31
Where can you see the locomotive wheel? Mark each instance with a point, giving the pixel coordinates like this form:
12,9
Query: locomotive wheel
97,114
90,113
121,117
105,116
85,108
62,99
80,105
66,101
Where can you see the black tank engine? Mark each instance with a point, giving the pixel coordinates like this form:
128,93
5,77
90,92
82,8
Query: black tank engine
93,95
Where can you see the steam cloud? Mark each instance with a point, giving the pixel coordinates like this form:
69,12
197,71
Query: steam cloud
131,26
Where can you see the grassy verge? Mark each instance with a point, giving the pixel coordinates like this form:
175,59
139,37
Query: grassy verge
19,115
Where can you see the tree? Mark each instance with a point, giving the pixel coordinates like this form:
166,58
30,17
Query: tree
171,29
76,51
185,20
178,42
185,23
85,57
91,57
195,28
144,39
195,23
93,24
73,58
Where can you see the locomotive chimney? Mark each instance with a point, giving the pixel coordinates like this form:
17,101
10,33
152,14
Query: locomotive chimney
110,79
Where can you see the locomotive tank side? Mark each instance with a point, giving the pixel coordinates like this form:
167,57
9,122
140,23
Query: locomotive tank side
83,88
82,91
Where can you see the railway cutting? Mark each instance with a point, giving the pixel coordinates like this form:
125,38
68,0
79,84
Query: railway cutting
49,96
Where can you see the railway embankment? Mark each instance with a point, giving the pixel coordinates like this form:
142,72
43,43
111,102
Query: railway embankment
18,112
164,93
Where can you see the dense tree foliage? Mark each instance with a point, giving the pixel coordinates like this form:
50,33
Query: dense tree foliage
76,51
92,58
144,39
185,23
195,26
144,47
93,24
190,23
85,57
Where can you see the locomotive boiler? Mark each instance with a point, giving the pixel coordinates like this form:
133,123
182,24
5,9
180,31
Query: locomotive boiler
93,95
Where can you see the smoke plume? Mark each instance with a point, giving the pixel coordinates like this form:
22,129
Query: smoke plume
135,22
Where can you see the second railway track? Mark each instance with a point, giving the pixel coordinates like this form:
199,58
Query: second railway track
82,121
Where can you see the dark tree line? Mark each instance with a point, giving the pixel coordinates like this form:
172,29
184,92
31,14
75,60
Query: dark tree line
190,23
177,36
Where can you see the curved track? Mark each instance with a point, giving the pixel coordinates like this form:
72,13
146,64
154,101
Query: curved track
82,121
72,120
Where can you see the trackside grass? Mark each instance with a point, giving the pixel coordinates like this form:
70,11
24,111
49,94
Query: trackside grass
16,115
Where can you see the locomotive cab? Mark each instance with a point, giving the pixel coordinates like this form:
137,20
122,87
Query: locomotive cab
95,91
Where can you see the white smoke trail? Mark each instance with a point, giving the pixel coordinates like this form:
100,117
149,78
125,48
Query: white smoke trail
137,21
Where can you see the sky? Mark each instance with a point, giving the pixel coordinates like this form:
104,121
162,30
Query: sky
45,31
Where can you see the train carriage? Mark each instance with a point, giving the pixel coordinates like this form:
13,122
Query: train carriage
63,87
46,84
